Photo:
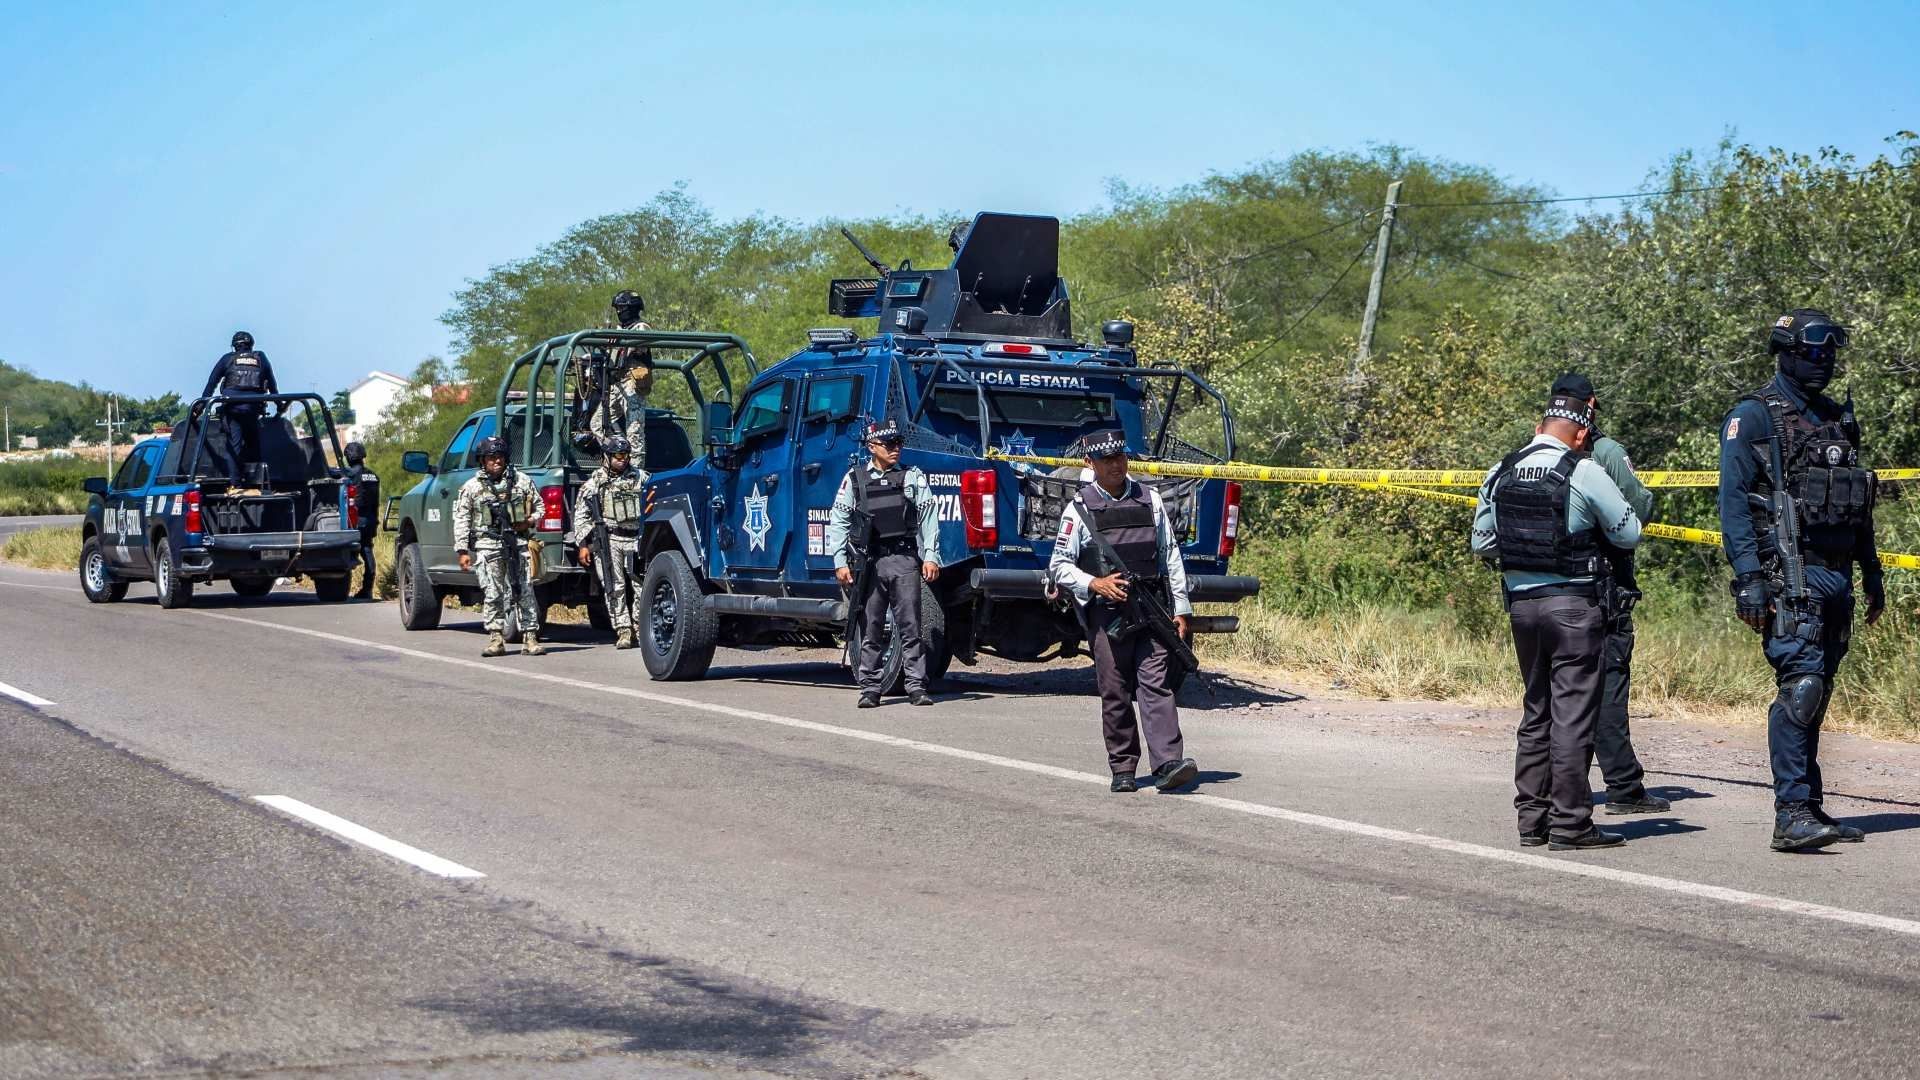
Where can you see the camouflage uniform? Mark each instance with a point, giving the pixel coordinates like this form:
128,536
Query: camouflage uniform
473,533
625,411
615,500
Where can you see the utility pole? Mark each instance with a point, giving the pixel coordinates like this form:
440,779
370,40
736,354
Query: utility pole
110,423
1380,247
8,411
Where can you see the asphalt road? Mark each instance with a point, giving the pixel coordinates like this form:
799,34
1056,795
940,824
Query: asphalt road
747,874
10,525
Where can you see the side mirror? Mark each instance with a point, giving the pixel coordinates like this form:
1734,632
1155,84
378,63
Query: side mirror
94,485
415,461
718,424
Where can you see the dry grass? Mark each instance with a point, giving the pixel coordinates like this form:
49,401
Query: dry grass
44,549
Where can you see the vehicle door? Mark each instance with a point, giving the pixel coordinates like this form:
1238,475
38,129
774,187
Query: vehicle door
123,519
755,507
437,543
826,444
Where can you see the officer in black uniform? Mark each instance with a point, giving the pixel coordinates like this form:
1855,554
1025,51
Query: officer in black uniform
1115,537
1796,514
885,515
241,373
367,501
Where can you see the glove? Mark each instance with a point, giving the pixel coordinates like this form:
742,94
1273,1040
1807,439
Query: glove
1876,590
1752,599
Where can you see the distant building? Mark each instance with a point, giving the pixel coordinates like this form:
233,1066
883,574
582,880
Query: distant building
27,442
453,394
371,399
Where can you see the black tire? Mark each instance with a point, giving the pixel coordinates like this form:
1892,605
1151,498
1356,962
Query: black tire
893,666
419,600
173,590
96,577
679,631
335,589
251,588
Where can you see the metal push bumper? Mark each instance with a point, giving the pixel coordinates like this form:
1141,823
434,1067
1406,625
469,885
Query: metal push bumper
246,553
1201,589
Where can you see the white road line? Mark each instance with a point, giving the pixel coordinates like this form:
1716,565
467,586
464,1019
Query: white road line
1738,897
360,834
49,588
18,694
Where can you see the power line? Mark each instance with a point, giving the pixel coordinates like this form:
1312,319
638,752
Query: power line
1236,260
1311,308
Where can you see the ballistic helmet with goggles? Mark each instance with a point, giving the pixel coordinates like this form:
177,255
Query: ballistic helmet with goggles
1808,332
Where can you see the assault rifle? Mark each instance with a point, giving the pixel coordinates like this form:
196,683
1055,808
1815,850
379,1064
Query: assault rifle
1789,572
1144,610
602,547
501,520
859,534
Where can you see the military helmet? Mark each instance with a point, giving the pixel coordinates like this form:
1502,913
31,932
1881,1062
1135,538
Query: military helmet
354,453
242,341
1805,328
491,446
614,444
627,298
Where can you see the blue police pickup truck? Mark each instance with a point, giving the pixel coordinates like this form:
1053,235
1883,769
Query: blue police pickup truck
171,514
969,359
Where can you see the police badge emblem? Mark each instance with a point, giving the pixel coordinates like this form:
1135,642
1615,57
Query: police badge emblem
757,523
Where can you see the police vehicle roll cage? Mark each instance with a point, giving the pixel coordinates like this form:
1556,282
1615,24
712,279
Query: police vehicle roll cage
202,409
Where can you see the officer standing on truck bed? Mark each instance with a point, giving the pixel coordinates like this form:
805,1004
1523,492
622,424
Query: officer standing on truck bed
1796,514
606,517
884,519
242,372
367,501
1542,513
618,381
1612,740
491,515
1114,538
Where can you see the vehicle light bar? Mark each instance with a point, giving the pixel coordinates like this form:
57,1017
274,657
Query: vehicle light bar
1014,348
832,335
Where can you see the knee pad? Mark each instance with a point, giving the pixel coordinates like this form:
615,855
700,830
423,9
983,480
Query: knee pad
1805,698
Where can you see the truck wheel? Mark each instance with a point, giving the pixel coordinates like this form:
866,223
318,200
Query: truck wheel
419,603
333,590
893,666
251,588
96,577
174,590
677,631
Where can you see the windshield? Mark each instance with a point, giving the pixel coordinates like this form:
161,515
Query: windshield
1031,408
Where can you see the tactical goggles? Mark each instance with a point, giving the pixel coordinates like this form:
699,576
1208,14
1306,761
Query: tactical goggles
1819,334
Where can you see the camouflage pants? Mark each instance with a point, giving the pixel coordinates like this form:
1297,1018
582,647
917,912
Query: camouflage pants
620,582
625,415
490,565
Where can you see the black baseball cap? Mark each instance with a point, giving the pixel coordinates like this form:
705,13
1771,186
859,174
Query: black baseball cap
1573,384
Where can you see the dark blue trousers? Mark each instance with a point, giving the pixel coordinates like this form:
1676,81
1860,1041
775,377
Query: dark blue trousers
243,437
1815,650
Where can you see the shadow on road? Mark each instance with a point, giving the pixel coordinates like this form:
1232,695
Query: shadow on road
1874,823
1768,784
1647,828
1205,777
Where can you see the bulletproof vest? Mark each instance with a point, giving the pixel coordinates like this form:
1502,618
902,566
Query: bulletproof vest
620,501
884,498
244,375
1127,524
369,501
1823,465
1530,518
500,507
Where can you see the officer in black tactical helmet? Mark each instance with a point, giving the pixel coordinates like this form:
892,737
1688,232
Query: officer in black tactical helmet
367,501
1796,515
241,373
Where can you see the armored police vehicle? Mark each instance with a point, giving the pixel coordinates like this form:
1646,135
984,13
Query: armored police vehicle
171,515
976,357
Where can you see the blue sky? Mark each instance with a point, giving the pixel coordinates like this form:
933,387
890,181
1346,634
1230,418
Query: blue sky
327,175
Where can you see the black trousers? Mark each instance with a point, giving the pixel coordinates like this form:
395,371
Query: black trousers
1129,671
366,560
1612,741
1558,640
243,437
894,589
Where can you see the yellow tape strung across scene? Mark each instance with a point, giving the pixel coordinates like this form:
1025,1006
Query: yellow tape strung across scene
1275,474
1394,480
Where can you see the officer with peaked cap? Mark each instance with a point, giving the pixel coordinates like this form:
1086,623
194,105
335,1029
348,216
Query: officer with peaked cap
884,523
1115,537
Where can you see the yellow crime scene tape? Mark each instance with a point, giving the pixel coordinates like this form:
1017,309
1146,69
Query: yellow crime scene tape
1417,482
1276,474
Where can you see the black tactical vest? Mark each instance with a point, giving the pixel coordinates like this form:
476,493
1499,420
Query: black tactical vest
1127,524
1824,475
244,375
1530,518
884,498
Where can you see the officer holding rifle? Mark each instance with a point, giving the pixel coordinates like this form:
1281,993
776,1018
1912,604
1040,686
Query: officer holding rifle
1115,553
1796,515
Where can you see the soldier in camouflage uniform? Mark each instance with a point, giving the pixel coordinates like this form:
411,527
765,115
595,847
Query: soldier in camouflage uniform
607,512
499,494
630,377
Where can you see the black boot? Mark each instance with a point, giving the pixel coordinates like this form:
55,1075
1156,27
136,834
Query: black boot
1796,829
1849,834
1592,838
1645,804
1123,782
869,701
1175,774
